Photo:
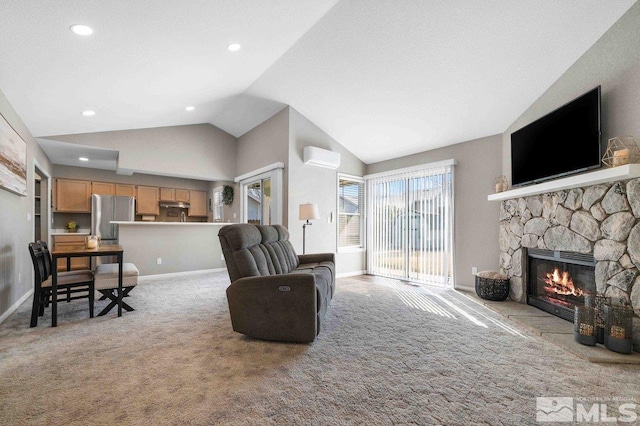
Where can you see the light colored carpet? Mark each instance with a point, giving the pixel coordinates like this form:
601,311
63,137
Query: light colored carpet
389,354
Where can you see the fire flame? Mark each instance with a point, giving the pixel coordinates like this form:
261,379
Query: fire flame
562,283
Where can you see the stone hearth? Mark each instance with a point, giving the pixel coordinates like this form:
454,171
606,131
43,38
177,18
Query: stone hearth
603,220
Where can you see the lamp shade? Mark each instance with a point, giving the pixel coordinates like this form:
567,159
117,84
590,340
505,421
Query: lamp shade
309,211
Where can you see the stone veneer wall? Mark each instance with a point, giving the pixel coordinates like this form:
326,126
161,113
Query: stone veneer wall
603,220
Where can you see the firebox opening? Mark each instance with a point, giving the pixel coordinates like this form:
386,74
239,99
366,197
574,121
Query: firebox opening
558,281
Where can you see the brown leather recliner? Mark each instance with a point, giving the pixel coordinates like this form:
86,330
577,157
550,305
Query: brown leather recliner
274,293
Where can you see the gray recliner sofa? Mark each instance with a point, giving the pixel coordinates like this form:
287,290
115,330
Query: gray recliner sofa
274,293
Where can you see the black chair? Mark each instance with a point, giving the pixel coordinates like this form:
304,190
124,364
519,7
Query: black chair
70,286
47,271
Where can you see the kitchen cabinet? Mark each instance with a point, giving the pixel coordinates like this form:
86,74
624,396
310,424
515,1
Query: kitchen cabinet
73,196
71,240
198,200
176,195
148,201
125,190
103,188
182,195
167,194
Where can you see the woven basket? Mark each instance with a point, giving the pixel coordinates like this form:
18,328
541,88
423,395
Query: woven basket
492,288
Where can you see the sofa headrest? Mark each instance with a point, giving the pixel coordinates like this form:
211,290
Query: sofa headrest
269,233
283,232
273,233
241,235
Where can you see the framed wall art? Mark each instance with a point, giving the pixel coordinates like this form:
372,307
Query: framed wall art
13,160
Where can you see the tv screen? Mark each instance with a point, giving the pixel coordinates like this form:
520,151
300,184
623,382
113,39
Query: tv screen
563,142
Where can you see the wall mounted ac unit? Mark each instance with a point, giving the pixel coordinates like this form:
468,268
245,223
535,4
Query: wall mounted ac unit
315,156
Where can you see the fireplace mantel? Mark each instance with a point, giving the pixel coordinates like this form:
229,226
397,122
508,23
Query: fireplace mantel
629,171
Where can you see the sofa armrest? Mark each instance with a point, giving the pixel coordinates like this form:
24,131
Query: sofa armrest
317,258
275,307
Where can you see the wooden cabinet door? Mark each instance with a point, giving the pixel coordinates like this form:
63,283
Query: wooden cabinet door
125,190
167,194
148,201
73,196
182,195
103,188
76,262
198,200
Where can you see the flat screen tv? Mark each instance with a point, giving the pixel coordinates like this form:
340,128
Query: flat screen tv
563,142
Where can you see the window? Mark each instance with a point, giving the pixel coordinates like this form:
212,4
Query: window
218,207
350,208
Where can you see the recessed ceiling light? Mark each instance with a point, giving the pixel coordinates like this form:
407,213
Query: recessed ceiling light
81,29
88,113
234,47
190,108
83,159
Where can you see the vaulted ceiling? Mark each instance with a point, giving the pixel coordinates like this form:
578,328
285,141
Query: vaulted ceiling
385,78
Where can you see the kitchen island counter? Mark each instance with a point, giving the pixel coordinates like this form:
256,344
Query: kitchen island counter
171,247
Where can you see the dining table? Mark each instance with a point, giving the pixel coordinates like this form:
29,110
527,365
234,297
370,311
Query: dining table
80,250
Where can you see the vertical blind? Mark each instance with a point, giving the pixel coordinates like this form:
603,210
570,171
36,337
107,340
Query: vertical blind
410,225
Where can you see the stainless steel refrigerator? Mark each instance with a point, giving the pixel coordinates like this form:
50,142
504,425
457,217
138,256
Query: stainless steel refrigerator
104,210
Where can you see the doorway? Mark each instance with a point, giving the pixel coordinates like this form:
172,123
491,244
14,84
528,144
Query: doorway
41,203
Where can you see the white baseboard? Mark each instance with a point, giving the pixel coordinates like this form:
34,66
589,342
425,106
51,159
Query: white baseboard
350,274
15,306
178,274
465,288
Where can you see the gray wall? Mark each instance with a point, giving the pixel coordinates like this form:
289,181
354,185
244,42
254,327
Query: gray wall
476,219
612,62
282,139
199,151
265,144
16,270
311,184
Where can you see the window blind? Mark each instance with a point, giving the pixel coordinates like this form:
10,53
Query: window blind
410,225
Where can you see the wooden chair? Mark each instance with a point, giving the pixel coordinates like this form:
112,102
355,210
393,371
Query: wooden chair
68,284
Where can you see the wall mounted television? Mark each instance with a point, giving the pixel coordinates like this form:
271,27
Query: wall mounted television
563,142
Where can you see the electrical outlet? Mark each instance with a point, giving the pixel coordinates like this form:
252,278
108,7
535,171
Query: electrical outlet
159,261
28,217
19,277
474,270
234,215
222,257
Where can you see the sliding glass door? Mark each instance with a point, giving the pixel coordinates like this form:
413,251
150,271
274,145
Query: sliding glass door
261,195
411,224
257,200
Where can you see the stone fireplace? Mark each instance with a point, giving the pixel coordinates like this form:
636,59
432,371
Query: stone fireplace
557,281
602,221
